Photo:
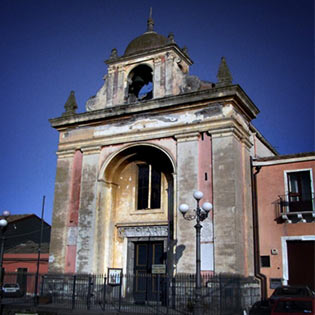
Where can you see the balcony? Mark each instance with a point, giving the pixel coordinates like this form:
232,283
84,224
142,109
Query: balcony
292,209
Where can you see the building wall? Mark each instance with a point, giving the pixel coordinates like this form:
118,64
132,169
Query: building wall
271,185
259,148
12,262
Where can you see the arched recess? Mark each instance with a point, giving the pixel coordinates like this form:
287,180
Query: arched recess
127,204
140,83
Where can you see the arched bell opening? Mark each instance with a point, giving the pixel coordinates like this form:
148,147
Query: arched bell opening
140,84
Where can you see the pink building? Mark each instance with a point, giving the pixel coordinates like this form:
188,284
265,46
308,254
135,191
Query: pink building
286,220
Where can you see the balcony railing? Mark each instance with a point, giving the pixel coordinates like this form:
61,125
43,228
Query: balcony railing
293,209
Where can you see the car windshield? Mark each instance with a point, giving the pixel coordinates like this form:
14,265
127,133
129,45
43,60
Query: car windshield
10,285
304,307
291,292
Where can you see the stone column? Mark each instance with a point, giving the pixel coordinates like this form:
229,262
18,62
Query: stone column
187,183
169,74
73,212
87,210
157,88
120,86
58,238
229,202
109,86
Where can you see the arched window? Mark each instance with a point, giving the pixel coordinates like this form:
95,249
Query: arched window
140,84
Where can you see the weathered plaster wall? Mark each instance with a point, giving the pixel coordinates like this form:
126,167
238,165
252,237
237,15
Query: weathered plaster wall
126,213
58,240
87,211
74,204
187,181
259,149
230,204
205,185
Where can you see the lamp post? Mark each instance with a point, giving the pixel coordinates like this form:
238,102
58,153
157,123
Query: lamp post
3,227
200,214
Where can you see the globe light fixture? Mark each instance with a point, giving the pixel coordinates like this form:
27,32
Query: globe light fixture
198,195
183,208
3,223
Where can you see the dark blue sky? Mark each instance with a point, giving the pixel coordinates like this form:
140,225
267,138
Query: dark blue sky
49,47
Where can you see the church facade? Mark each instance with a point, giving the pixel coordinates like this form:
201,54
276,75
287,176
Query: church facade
150,137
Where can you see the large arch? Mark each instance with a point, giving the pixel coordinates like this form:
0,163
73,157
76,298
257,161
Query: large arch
124,222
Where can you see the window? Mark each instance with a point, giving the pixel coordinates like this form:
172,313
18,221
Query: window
149,187
265,261
299,191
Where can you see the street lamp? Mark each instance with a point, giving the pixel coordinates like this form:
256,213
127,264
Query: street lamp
200,214
3,227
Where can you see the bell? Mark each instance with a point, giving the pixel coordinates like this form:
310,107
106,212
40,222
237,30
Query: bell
138,80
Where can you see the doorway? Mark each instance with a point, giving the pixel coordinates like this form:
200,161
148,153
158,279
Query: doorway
301,261
146,255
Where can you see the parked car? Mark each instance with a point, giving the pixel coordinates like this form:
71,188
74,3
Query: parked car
290,291
11,290
262,307
294,306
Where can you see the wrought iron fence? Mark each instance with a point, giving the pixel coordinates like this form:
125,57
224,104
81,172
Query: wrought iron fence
140,294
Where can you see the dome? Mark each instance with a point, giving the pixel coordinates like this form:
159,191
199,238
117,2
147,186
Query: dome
146,41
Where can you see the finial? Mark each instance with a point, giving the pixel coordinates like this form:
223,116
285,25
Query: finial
185,50
171,38
113,54
70,105
224,75
150,22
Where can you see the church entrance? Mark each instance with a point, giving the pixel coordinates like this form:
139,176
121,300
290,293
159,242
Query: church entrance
145,284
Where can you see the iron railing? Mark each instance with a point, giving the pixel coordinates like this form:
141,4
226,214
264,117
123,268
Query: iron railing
292,208
160,294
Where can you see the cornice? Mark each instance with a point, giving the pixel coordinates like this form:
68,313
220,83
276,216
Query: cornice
64,153
145,53
188,136
170,103
91,149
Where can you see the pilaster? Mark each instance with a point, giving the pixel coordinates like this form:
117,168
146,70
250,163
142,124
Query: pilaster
169,74
62,197
187,183
230,203
158,88
87,210
109,88
120,86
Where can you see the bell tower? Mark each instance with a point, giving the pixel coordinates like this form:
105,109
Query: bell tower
152,66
